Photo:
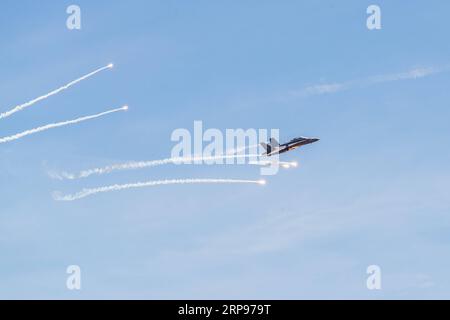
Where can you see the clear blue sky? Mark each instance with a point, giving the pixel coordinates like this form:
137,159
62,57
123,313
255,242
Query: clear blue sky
373,191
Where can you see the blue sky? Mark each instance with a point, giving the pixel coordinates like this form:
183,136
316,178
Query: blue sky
373,191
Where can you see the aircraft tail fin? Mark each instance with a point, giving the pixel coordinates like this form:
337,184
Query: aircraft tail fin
267,147
274,142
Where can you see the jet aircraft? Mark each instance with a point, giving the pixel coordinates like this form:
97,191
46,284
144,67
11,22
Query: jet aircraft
273,147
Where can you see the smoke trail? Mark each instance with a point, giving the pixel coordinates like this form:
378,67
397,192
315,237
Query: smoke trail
144,164
54,92
89,192
57,125
283,164
238,150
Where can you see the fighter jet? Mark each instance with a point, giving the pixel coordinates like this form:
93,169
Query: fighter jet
275,148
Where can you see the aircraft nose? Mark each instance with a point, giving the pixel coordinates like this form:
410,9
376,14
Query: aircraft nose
315,140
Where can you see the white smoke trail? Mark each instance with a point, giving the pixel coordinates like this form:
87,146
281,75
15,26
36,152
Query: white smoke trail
54,92
329,88
57,125
241,149
144,164
283,164
89,192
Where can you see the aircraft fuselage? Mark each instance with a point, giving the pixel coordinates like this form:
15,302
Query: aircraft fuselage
275,148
